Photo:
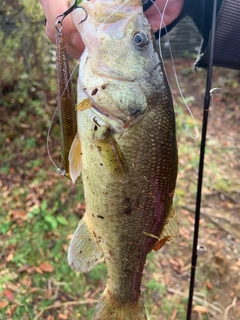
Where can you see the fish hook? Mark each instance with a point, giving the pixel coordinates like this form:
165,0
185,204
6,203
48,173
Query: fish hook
61,17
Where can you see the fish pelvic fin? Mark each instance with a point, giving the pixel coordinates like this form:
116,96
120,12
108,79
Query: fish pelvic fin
110,309
83,252
170,230
75,159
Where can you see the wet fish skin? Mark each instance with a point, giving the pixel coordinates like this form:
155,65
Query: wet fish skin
129,153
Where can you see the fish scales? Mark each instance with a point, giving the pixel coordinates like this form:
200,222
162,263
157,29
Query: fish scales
129,153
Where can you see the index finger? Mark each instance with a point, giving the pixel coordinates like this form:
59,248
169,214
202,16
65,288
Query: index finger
53,8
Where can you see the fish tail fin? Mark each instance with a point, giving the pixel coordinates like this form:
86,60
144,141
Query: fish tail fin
110,309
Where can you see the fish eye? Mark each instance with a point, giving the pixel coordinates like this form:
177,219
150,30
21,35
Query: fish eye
140,39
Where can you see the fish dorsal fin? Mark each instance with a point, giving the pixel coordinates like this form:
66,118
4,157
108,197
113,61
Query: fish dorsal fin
75,159
83,252
170,230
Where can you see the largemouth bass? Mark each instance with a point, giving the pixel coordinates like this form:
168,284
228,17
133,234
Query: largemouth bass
126,151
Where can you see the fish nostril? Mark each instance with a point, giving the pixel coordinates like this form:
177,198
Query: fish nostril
94,91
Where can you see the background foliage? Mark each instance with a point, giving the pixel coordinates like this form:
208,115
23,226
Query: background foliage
39,209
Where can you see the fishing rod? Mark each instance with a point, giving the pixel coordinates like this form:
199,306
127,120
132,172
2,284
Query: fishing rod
201,160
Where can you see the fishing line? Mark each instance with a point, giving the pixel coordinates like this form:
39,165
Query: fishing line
201,161
51,122
174,70
114,11
181,95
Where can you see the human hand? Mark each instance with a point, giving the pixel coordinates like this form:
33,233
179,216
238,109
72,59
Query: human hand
74,44
171,9
73,41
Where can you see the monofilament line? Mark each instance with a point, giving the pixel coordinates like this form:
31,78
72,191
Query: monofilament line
161,25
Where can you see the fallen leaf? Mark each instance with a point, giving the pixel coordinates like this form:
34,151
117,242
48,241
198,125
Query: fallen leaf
46,267
9,257
9,295
12,287
27,281
38,270
62,316
23,268
18,214
30,270
65,247
173,317
200,309
3,304
33,290
209,285
11,309
238,263
69,237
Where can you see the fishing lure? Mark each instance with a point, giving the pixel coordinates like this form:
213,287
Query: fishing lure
68,119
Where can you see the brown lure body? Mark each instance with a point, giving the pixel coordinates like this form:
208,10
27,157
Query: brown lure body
68,120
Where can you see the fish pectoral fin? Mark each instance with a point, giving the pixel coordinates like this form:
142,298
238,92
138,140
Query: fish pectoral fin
75,159
83,252
112,157
170,230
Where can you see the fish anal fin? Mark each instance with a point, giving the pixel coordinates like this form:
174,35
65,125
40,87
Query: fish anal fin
171,227
75,159
83,252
